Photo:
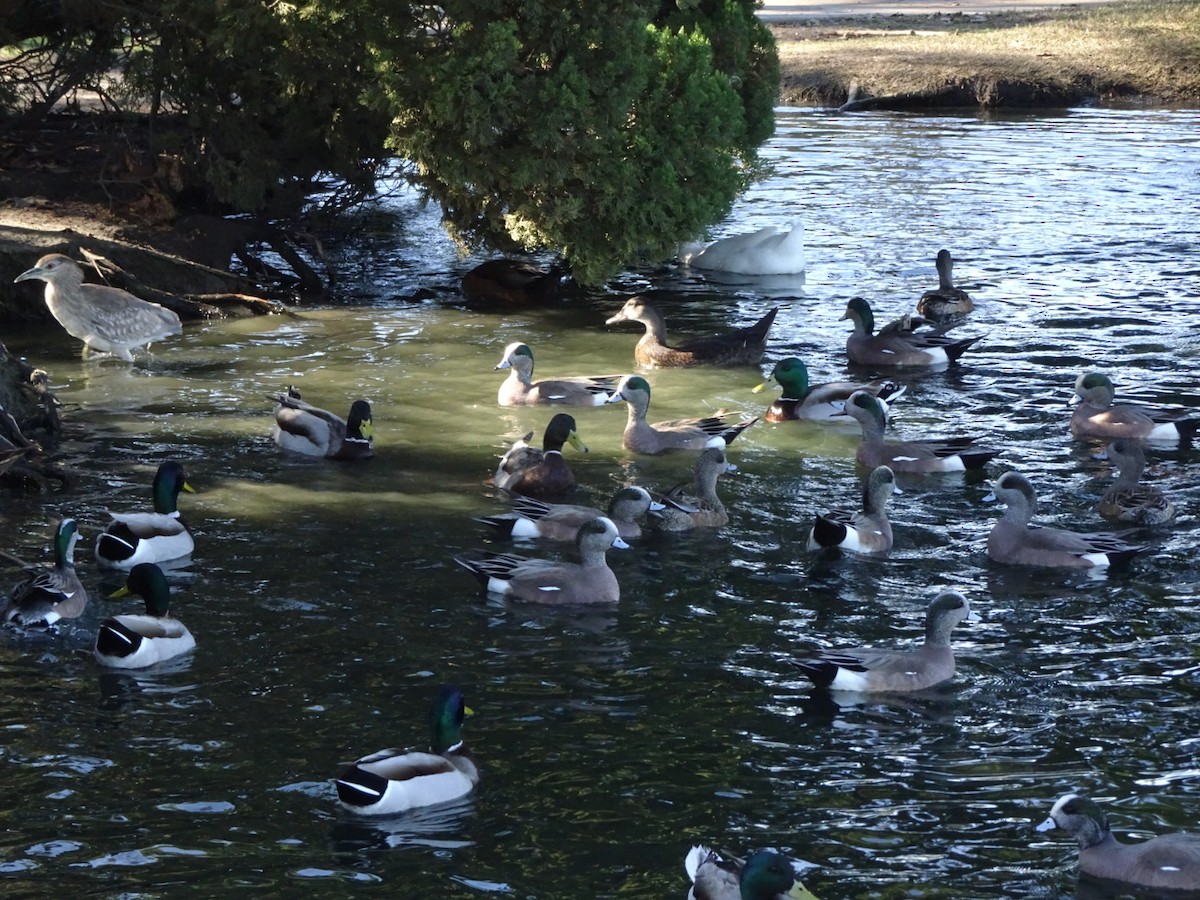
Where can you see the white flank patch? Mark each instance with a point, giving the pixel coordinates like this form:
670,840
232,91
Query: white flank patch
499,585
525,528
845,680
549,587
1097,559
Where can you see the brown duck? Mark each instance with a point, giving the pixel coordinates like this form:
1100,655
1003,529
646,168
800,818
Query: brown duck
741,347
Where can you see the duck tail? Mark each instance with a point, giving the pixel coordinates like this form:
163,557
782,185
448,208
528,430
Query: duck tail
958,348
475,569
734,430
504,523
1120,558
1187,431
973,460
358,788
826,533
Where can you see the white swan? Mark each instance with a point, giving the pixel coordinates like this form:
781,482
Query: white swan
763,252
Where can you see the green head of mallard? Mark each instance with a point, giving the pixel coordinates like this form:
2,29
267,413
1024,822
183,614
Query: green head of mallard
446,718
561,430
147,581
768,874
359,425
790,374
169,480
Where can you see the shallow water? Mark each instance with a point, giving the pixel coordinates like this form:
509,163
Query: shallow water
327,607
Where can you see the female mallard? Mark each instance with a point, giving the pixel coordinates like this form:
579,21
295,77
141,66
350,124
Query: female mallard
304,428
947,300
1168,862
160,536
704,509
512,282
589,581
767,251
863,531
519,388
50,594
741,347
137,641
1097,416
392,781
1127,500
541,473
106,319
922,457
900,343
766,875
679,434
561,521
822,402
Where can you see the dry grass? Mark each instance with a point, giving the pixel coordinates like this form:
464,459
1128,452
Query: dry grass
1148,51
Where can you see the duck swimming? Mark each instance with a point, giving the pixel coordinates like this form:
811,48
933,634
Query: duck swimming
767,251
740,347
49,595
155,537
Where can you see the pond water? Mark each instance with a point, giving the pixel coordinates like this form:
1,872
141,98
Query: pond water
327,607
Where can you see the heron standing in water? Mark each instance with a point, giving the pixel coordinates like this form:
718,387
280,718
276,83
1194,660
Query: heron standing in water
106,319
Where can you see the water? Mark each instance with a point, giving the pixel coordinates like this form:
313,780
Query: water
326,605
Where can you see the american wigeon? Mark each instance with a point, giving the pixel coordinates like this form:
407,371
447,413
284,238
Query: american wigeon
740,347
525,469
823,401
863,531
703,508
519,388
303,428
137,641
1127,500
532,518
1013,540
679,434
393,781
589,581
106,319
1096,416
765,875
1168,862
904,342
952,454
157,537
947,300
48,595
870,670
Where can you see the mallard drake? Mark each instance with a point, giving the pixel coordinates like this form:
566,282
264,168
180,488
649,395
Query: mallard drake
541,473
1096,416
900,343
159,536
393,781
704,509
740,347
954,454
1167,862
561,521
824,401
512,282
590,581
679,434
519,388
1013,540
765,875
303,428
1127,500
864,531
869,670
767,251
947,300
106,319
48,595
137,641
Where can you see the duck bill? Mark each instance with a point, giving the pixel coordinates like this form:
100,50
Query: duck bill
800,892
611,320
615,397
187,487
620,544
575,441
366,429
1048,825
759,388
503,364
120,592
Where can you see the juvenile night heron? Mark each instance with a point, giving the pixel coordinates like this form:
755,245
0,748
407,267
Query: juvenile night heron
106,319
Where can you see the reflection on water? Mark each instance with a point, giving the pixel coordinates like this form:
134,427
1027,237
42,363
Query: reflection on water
326,606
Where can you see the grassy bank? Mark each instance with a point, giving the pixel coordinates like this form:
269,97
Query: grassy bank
1142,51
